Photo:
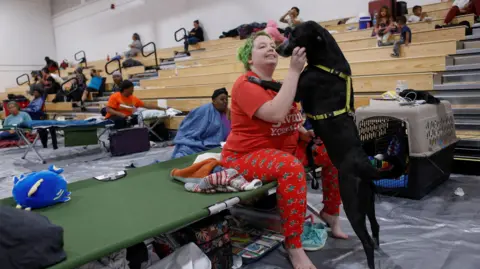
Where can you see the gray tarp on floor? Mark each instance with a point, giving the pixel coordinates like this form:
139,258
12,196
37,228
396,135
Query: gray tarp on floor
442,231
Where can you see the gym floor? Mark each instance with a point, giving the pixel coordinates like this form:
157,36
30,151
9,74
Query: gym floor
440,231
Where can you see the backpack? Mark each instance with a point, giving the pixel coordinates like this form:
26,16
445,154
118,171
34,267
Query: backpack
402,8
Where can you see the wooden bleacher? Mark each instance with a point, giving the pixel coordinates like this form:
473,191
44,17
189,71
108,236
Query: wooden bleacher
435,11
374,71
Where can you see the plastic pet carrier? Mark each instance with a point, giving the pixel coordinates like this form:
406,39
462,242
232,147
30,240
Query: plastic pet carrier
421,137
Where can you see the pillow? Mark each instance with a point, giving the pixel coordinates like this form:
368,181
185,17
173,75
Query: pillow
152,113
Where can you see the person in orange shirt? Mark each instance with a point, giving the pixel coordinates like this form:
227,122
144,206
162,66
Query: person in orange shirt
268,142
121,106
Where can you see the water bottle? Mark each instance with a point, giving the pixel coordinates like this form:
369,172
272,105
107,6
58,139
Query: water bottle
401,86
375,19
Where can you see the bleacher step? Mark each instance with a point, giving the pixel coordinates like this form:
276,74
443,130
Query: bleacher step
462,67
466,111
458,77
474,36
457,86
471,44
468,51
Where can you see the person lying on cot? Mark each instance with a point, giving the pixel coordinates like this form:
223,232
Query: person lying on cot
13,119
121,106
204,127
267,138
35,111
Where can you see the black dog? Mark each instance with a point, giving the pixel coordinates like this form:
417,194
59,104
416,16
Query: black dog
323,92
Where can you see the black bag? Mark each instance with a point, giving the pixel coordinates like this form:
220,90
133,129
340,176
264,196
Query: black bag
129,141
212,236
161,130
28,240
468,27
402,9
131,63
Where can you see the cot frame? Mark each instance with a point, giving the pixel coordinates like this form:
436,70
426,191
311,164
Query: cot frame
31,145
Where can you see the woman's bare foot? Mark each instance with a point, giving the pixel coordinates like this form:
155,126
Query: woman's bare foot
334,224
299,259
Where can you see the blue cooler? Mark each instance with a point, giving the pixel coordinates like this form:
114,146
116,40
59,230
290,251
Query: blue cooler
364,22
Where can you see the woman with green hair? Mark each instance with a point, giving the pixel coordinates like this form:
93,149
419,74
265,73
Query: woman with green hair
268,142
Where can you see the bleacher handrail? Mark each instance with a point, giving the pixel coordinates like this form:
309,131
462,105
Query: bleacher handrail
27,81
153,52
183,36
119,66
84,56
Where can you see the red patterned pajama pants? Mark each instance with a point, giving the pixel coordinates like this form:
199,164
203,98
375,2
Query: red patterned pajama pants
270,164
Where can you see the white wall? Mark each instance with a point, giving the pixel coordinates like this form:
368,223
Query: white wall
27,37
100,31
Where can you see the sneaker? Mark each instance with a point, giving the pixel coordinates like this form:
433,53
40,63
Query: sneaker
394,55
314,236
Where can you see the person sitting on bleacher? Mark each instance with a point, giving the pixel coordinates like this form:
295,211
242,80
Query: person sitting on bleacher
35,111
196,34
292,19
51,65
462,7
121,106
204,128
52,83
135,47
267,139
13,119
385,25
96,84
418,15
117,81
405,36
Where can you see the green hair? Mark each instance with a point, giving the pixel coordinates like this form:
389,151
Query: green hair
244,53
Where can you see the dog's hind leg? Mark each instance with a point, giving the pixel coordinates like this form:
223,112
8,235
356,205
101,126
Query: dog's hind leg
369,190
355,209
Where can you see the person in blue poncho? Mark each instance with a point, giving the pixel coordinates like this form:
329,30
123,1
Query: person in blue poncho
204,127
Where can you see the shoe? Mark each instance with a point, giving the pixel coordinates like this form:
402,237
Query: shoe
314,236
394,55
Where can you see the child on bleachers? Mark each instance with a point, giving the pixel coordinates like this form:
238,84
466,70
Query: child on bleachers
405,36
418,15
384,26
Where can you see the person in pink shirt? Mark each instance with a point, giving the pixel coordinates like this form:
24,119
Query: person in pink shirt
272,31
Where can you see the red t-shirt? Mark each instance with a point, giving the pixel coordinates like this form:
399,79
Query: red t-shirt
250,133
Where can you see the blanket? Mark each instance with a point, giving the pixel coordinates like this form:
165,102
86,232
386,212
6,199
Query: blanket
201,130
197,170
228,180
69,123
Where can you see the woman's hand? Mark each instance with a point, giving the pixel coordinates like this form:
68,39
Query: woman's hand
298,59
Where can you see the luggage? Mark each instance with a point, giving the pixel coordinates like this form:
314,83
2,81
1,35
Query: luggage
375,6
129,141
402,9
